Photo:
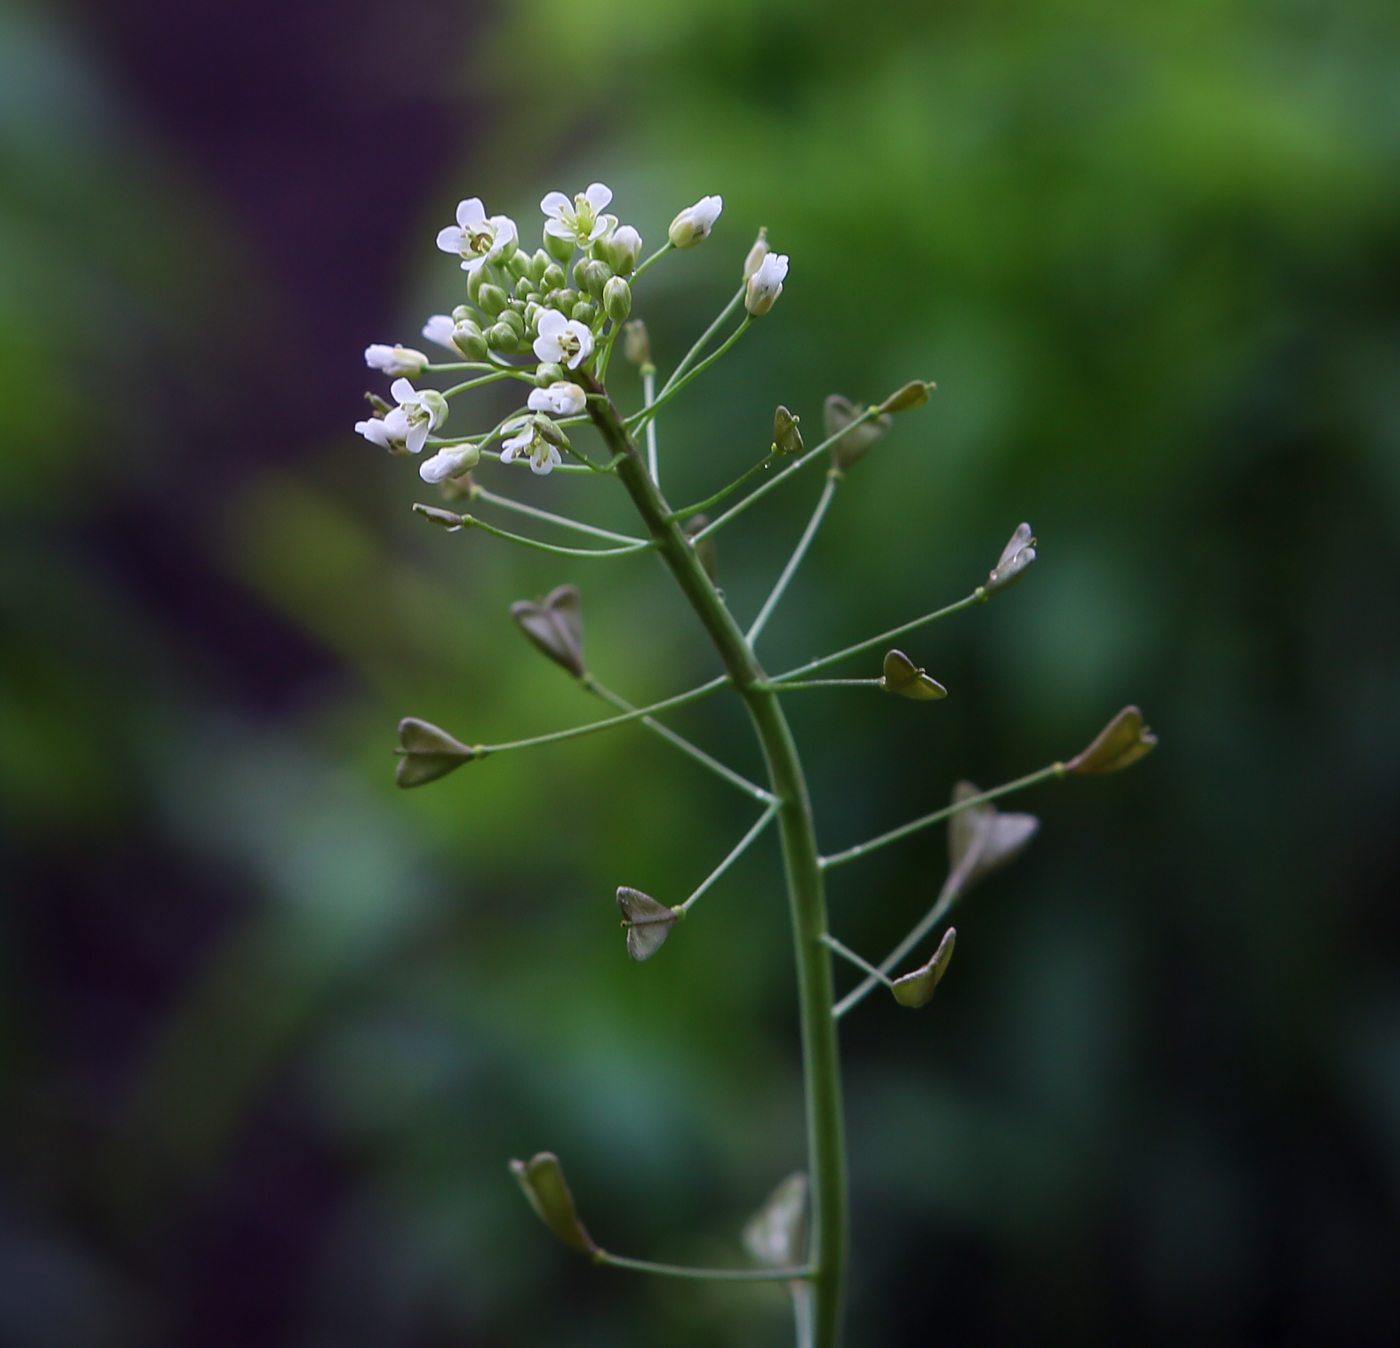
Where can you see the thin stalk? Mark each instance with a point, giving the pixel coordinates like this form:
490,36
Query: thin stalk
674,386
775,687
806,898
740,848
480,493
660,253
708,1274
904,830
472,522
734,486
760,492
846,952
476,383
684,745
693,354
799,552
592,469
680,700
978,596
648,398
947,897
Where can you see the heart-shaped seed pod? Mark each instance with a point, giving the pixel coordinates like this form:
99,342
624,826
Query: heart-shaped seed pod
555,627
904,677
981,839
916,989
838,413
542,1179
1015,557
1122,741
648,922
427,753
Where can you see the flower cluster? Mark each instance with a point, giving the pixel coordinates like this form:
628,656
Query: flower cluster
547,317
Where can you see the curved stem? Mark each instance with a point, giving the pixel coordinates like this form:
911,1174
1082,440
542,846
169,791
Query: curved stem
806,895
708,1274
472,522
687,511
799,685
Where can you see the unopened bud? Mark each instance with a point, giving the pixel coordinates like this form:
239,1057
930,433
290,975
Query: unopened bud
648,922
622,249
916,989
617,299
757,253
1122,741
555,627
693,225
526,288
585,311
553,277
636,344
776,1235
542,1180
399,362
904,677
560,249
787,439
913,394
502,337
766,284
1016,556
595,276
981,839
426,752
514,321
838,413
492,299
549,373
469,340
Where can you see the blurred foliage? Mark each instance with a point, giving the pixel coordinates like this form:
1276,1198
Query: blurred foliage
1149,254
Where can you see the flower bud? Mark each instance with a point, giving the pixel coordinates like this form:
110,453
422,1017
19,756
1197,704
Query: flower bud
449,461
776,1235
904,677
913,394
787,439
1016,556
648,923
462,313
501,337
553,277
475,280
595,276
555,627
513,321
916,989
766,284
636,344
548,374
444,519
705,548
757,253
469,340
693,225
559,249
427,753
585,311
539,263
399,362
549,431
515,263
378,403
526,288
981,839
563,300
621,249
491,298
542,1180
617,299
1122,741
839,412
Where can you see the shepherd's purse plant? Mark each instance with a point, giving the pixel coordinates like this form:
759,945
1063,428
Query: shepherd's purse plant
547,323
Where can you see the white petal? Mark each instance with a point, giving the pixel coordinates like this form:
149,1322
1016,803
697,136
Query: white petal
471,214
551,322
380,357
439,329
548,350
449,239
373,431
402,391
598,195
417,437
542,464
508,454
540,401
554,203
473,264
708,209
558,229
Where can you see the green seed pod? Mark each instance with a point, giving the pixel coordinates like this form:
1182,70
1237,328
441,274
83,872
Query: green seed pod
542,1179
559,249
1122,741
548,374
596,275
501,337
491,298
513,321
913,394
585,311
617,299
787,439
916,989
553,278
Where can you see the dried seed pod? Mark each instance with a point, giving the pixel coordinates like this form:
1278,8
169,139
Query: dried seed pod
916,989
542,1180
427,753
648,922
904,677
1122,741
981,839
838,413
555,627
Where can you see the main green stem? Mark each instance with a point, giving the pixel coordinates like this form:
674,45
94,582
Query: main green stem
826,1143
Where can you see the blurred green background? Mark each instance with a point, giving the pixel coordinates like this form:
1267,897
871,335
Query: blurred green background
269,1030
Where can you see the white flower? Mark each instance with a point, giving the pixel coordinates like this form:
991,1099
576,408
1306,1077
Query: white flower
560,399
693,225
405,429
528,443
562,341
580,221
766,284
439,329
395,360
476,239
450,461
624,248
